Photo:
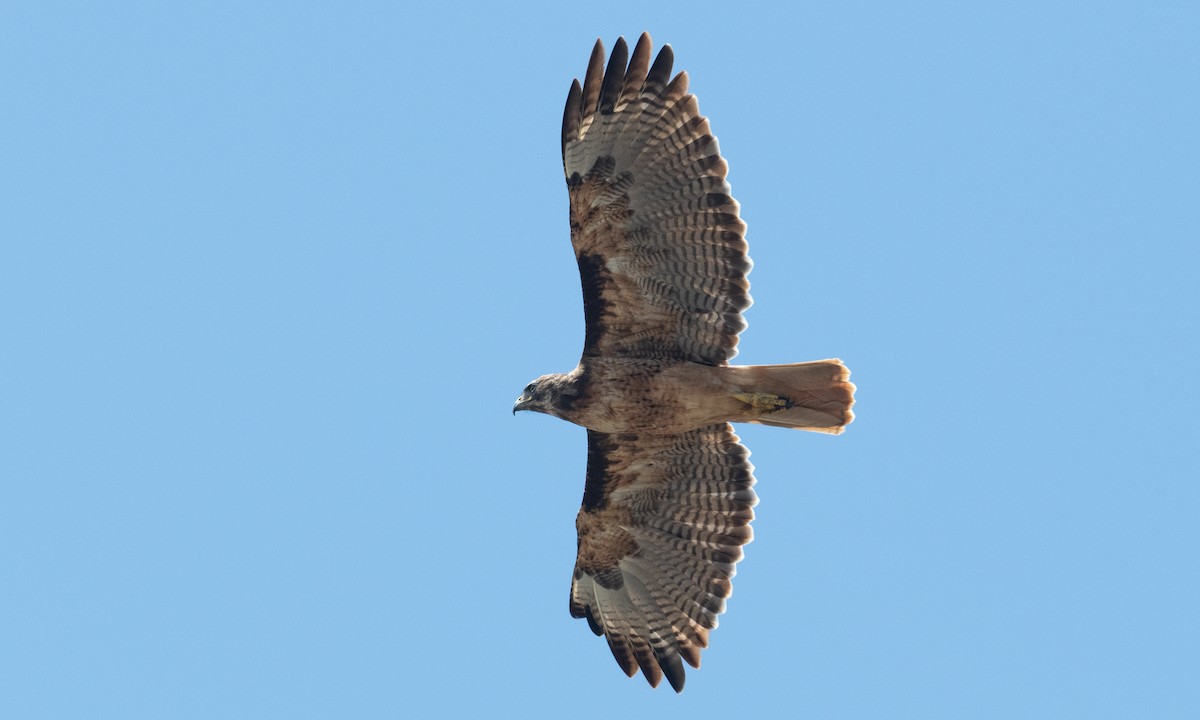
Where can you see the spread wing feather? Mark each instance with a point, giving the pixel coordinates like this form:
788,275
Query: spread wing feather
662,526
660,245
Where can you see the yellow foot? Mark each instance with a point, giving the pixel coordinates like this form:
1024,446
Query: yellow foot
764,402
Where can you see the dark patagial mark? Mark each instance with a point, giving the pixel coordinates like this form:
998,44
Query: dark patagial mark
599,447
594,277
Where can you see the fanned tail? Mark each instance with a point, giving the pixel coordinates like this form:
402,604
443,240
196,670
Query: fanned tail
816,396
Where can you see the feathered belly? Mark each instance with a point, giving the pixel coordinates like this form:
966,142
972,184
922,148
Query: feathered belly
647,396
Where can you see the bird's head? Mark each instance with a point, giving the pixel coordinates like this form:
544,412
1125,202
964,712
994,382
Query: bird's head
550,394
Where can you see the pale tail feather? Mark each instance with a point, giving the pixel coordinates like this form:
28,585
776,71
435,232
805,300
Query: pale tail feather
816,396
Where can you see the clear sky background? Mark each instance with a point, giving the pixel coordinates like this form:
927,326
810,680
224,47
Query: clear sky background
272,274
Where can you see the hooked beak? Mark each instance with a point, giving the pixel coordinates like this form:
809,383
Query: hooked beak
520,403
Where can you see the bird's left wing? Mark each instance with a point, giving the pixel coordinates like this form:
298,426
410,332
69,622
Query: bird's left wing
658,237
663,522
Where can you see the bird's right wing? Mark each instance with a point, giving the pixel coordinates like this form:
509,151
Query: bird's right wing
662,526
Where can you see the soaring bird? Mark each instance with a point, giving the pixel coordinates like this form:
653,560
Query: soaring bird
668,497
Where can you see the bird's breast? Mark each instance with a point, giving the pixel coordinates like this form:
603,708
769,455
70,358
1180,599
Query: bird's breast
640,396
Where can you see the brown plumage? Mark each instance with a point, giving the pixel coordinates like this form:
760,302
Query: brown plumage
661,249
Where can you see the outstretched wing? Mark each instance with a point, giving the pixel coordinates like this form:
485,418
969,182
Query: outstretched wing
663,522
661,249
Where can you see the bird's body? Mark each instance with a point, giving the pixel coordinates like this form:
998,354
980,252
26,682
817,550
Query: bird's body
668,496
660,396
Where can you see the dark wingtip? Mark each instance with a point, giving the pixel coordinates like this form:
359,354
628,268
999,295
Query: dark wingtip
639,65
672,667
614,76
592,81
591,621
572,114
660,71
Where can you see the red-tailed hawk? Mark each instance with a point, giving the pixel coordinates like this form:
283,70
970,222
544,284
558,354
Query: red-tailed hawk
669,493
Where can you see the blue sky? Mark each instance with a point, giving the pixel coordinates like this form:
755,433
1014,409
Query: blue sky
272,276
